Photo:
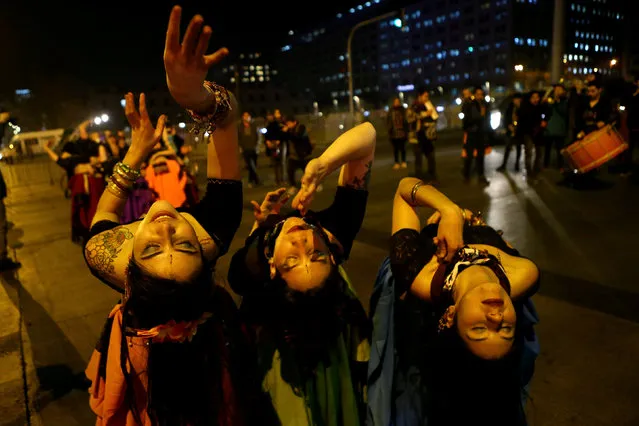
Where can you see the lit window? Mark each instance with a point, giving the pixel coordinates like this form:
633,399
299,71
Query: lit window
351,10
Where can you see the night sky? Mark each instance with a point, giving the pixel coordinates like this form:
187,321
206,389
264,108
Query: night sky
117,42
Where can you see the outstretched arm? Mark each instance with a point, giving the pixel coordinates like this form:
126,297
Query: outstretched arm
144,137
353,152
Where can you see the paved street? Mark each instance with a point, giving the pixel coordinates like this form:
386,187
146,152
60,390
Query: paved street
52,310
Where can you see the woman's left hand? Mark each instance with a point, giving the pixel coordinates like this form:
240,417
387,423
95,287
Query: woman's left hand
272,204
450,233
143,135
313,176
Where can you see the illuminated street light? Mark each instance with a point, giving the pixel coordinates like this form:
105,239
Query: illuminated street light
397,22
263,130
519,67
613,62
104,118
123,102
460,115
97,121
458,101
181,124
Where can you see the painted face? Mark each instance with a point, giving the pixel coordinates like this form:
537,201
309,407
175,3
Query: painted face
485,320
301,255
166,244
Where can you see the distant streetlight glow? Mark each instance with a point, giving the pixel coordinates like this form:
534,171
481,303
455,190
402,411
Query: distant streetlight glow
104,118
613,62
97,121
122,103
397,23
519,67
458,101
460,115
263,130
181,124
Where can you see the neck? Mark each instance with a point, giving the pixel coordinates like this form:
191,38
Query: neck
470,278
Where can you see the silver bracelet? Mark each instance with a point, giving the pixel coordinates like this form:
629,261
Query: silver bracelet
413,193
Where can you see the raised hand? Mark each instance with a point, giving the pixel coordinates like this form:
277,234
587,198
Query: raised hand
187,64
143,135
313,176
272,204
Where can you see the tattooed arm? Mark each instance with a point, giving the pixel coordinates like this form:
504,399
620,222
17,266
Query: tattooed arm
102,253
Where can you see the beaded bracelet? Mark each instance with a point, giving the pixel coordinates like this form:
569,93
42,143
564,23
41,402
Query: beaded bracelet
126,171
209,121
116,190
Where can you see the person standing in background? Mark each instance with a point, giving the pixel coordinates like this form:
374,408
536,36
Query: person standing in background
398,132
511,120
632,108
426,133
299,150
274,146
248,139
557,129
530,129
6,264
475,124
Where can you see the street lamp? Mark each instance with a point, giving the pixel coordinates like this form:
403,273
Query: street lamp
104,118
349,56
519,67
613,62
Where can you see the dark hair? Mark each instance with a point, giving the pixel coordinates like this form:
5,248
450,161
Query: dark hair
462,384
596,83
422,90
517,95
478,88
184,379
309,322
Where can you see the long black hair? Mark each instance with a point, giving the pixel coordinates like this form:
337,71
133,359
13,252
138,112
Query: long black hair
184,379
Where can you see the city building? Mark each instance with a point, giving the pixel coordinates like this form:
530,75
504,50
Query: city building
258,87
314,60
500,44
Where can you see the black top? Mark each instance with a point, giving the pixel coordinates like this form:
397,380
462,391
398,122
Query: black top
601,111
530,117
249,266
3,187
219,212
473,120
299,143
410,250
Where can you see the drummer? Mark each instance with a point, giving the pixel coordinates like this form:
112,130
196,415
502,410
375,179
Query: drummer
597,113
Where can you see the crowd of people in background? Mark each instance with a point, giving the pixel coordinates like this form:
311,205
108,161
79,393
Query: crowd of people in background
88,157
539,123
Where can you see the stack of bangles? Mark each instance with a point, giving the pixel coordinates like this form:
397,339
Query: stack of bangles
217,115
122,180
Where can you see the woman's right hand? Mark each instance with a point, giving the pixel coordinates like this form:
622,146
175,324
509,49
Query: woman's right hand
143,135
187,64
314,174
450,233
272,204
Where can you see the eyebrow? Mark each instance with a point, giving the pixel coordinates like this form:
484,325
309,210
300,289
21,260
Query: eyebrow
187,251
481,339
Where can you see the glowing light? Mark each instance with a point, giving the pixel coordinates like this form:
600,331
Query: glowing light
397,23
263,130
460,115
11,146
97,121
181,124
613,62
122,103
405,105
519,67
341,127
495,120
104,118
458,101
206,134
367,113
440,108
622,108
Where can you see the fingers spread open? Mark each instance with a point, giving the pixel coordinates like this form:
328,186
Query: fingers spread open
159,128
191,36
203,42
144,114
172,43
214,58
131,113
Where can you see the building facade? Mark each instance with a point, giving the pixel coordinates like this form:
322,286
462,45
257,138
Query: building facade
501,44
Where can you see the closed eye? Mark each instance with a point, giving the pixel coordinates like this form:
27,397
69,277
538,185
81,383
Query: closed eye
186,246
150,251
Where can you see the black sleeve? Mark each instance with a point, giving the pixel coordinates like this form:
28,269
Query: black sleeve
344,217
409,253
248,270
220,211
